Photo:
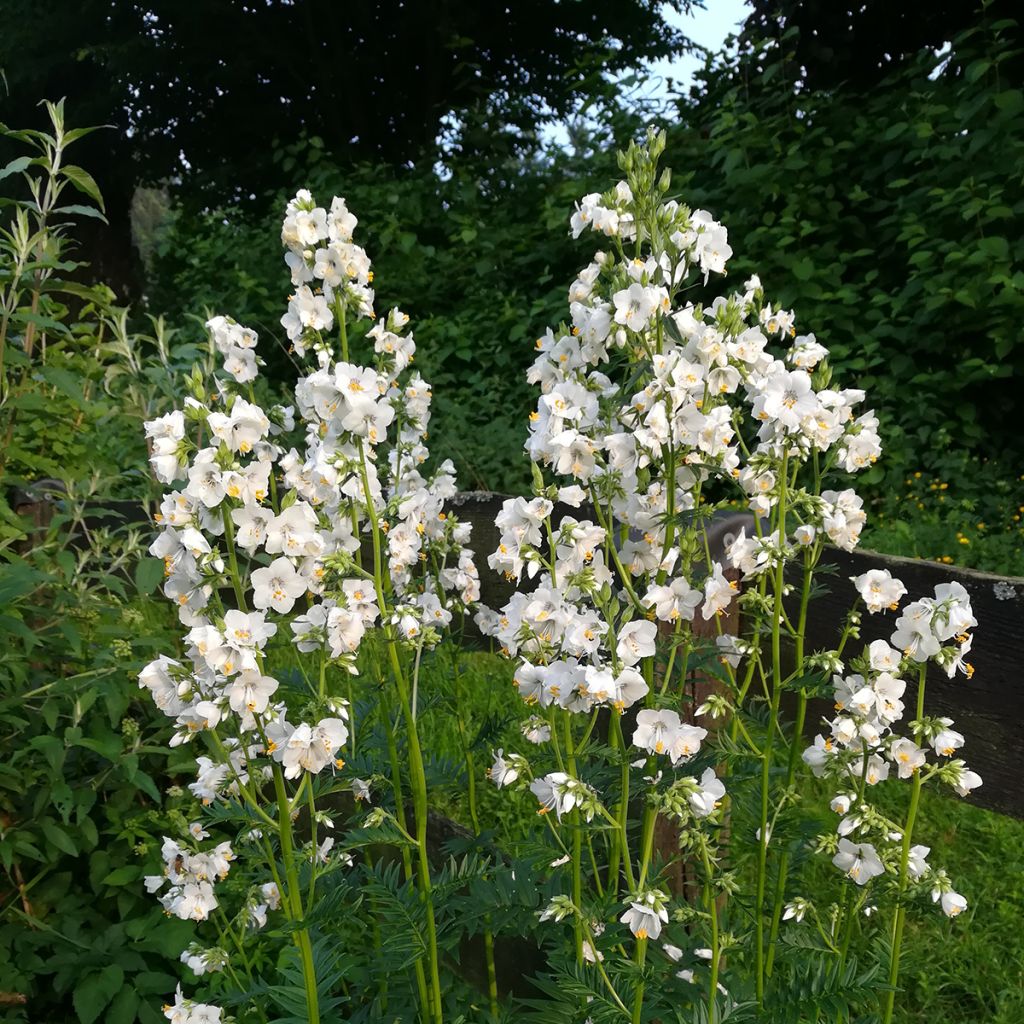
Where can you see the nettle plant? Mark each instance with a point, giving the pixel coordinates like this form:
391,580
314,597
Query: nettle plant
693,878
312,563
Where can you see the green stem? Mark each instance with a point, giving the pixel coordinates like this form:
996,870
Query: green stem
638,999
294,897
794,757
713,911
410,875
229,538
577,842
901,909
767,751
417,776
467,754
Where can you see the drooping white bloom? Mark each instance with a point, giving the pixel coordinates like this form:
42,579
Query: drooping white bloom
859,861
646,915
907,756
560,793
502,773
879,590
311,748
917,862
674,601
952,903
707,798
718,593
277,586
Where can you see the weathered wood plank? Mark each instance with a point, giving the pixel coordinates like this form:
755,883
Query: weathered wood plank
988,708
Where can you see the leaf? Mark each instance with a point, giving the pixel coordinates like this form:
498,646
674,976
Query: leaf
976,69
122,1009
124,875
17,165
17,580
52,749
84,182
93,993
74,134
56,836
83,211
148,574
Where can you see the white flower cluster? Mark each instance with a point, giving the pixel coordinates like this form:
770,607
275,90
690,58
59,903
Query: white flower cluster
188,1011
656,409
190,876
863,747
643,454
282,528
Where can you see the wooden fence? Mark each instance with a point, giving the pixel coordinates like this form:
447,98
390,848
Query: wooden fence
988,708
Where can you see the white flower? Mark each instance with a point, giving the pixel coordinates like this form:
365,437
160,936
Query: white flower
294,532
676,600
907,756
913,633
953,903
311,748
686,742
536,730
917,862
656,730
193,901
306,311
947,741
718,593
636,640
858,860
560,793
502,773
795,910
646,916
250,692
205,479
277,586
786,399
635,305
841,803
879,590
707,798
242,428
966,780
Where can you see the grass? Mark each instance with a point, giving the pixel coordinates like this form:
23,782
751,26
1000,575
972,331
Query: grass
971,514
962,971
954,972
970,969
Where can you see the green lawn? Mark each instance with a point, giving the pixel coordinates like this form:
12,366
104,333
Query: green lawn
964,971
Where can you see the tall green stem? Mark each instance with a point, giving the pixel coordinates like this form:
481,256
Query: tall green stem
767,750
467,755
908,833
417,776
293,896
410,875
715,953
577,842
794,757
